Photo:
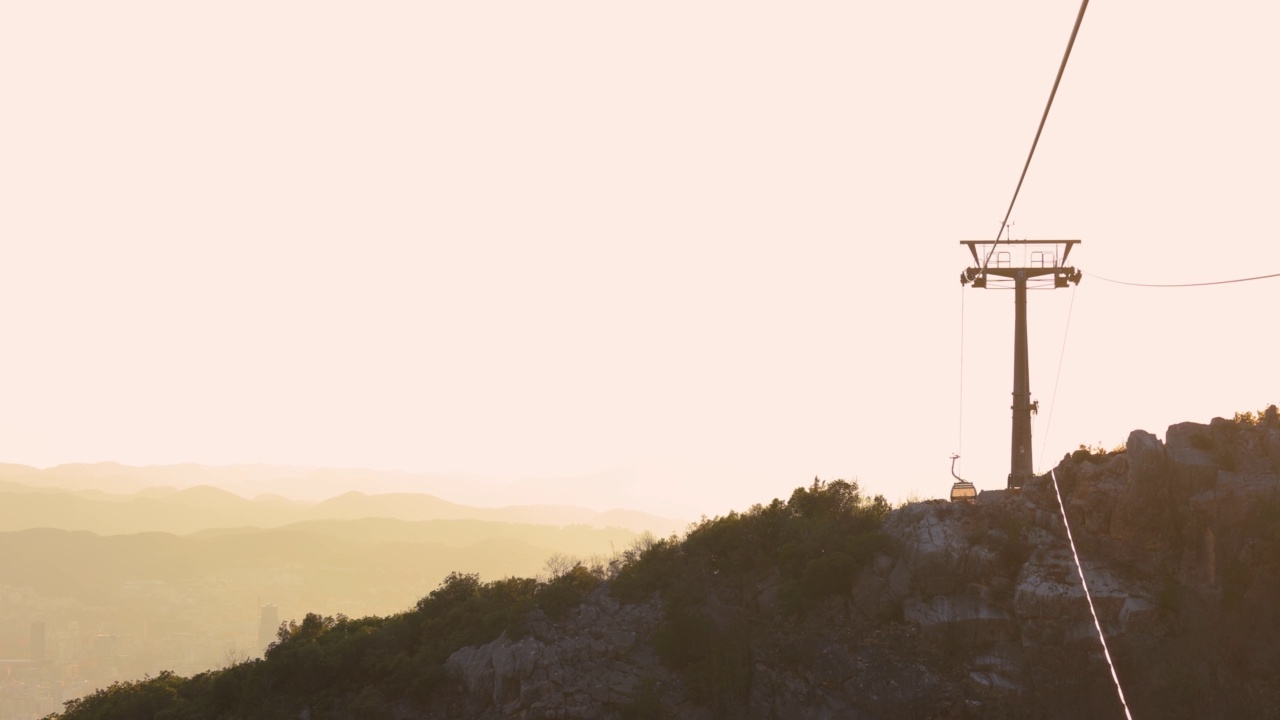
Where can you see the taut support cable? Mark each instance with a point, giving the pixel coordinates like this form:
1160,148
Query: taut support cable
1080,569
1075,30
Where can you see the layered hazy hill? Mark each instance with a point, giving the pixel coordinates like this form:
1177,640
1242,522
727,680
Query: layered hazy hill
202,508
305,485
123,539
111,498
352,566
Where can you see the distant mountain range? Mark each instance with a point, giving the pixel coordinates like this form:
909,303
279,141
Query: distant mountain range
598,491
124,539
109,498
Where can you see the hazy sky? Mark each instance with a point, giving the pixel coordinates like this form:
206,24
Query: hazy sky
712,243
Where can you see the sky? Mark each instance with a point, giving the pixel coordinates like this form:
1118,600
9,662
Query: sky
711,248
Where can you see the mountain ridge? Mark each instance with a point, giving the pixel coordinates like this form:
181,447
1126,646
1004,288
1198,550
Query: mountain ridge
203,507
599,491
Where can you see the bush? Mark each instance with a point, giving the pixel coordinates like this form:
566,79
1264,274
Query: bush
146,698
815,543
566,591
1089,452
1267,417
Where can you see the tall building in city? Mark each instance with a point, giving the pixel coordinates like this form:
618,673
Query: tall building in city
37,641
267,626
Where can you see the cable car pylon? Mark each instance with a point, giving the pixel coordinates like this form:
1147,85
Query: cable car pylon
1043,266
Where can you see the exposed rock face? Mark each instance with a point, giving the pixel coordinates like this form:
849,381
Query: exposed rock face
978,610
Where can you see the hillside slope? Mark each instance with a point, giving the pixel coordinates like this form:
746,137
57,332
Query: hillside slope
830,605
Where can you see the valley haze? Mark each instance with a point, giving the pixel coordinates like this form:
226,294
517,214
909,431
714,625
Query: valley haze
110,572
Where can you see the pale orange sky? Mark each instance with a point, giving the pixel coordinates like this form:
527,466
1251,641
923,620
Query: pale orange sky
713,243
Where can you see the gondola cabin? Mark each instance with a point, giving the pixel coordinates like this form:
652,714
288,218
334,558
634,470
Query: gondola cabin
962,491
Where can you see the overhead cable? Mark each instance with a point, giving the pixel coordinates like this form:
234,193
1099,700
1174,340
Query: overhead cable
1053,399
1044,117
1181,285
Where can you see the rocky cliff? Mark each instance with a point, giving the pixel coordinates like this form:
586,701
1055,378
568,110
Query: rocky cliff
966,611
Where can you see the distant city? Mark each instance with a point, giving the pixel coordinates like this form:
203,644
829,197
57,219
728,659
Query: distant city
111,582
75,647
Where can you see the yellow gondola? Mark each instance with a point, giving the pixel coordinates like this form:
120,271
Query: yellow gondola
961,491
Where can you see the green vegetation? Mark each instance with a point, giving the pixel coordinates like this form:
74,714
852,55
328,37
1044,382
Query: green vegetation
811,546
807,549
352,667
1268,417
1098,450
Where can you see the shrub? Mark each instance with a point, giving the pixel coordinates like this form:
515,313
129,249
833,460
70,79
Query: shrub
566,591
815,543
1089,452
1268,417
143,698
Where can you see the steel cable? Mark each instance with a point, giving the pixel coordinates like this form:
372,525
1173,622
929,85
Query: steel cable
1075,30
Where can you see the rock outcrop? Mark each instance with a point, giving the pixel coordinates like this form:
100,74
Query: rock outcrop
975,610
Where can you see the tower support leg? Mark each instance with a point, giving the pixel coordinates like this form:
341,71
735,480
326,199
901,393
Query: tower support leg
1020,467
